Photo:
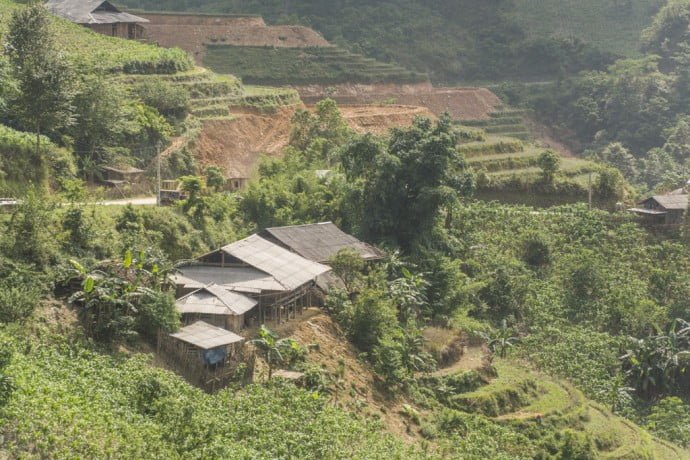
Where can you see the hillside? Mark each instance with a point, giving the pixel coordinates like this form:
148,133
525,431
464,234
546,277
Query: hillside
462,40
612,26
351,263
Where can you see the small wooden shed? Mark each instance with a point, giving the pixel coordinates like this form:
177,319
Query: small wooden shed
663,209
206,355
216,305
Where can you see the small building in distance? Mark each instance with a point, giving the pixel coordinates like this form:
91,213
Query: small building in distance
122,175
100,16
216,305
319,242
663,209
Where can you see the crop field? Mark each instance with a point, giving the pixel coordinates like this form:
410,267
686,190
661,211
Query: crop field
323,65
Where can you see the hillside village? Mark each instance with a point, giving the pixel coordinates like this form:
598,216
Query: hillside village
209,211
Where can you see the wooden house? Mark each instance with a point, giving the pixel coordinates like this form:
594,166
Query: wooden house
100,16
216,305
234,184
206,355
319,242
279,280
663,209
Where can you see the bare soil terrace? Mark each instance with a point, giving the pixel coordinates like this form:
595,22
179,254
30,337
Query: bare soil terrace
193,32
236,145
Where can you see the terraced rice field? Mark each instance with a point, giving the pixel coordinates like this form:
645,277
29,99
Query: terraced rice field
299,66
540,399
507,161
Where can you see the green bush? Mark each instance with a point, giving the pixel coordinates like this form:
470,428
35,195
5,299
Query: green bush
171,101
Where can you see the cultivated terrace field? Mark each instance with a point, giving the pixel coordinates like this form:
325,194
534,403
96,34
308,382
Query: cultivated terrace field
486,331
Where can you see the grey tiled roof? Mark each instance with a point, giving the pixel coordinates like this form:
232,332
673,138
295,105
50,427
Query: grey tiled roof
289,269
319,242
672,201
206,336
91,12
215,300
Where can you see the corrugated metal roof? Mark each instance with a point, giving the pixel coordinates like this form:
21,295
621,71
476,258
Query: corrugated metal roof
215,300
650,212
319,242
289,269
206,336
676,202
91,12
243,279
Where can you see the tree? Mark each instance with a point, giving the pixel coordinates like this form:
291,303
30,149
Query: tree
500,342
43,102
318,134
120,300
616,155
397,194
347,264
28,235
549,162
276,352
610,184
214,177
101,122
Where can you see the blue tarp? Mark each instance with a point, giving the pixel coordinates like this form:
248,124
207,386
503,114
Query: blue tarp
215,355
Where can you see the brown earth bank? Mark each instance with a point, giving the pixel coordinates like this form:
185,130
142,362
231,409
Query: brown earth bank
379,119
193,32
357,390
461,103
236,145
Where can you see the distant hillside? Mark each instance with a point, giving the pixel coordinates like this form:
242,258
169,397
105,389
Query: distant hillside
461,40
612,25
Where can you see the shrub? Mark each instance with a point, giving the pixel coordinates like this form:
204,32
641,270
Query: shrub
670,419
171,101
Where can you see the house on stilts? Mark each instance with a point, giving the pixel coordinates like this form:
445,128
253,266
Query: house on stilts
206,355
266,278
278,280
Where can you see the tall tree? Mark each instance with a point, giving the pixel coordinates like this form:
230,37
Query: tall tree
400,190
43,102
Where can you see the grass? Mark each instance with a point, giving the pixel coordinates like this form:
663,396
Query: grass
559,405
279,66
610,26
85,47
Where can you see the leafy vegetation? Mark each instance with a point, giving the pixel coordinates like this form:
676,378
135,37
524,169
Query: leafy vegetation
589,296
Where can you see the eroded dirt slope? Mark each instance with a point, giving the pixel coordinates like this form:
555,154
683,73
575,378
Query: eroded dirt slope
461,103
236,145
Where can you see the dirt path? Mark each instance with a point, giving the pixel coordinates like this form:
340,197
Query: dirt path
546,138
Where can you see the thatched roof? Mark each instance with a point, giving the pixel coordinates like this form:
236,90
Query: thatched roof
206,336
91,12
319,242
215,300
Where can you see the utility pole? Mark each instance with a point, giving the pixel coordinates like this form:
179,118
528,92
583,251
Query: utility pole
589,187
158,174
